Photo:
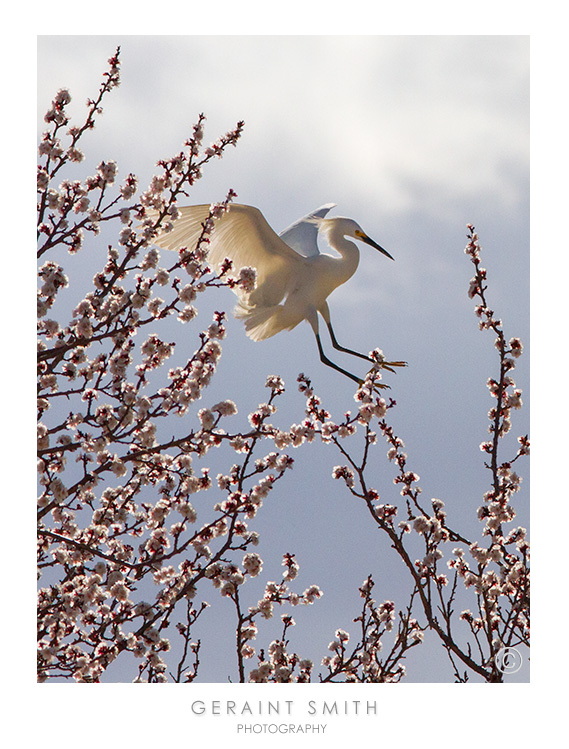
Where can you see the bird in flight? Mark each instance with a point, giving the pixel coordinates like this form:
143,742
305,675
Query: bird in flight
293,278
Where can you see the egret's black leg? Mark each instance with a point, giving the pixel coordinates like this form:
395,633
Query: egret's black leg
386,365
339,346
324,359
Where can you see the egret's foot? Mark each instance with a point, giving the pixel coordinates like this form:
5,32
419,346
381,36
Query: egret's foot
374,385
390,364
376,357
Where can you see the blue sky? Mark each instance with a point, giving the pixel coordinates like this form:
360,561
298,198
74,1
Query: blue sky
414,137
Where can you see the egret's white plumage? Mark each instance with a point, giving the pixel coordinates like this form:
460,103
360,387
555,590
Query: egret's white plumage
293,278
302,236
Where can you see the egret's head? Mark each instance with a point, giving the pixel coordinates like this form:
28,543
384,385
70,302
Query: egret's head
347,227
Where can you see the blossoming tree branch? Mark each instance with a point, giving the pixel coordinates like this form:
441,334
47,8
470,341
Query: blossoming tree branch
134,538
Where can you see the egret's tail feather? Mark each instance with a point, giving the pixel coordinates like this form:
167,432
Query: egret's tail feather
261,322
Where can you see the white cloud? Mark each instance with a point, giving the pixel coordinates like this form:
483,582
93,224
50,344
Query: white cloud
371,119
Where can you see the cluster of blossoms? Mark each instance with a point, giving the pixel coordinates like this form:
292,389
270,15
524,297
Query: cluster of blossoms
367,661
501,567
498,573
280,666
123,489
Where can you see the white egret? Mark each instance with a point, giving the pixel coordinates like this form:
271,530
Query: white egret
293,279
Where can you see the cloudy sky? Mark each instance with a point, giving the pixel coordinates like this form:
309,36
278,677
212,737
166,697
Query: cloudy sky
412,136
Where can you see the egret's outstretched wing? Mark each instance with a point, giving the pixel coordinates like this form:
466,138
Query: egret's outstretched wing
187,228
302,235
244,236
